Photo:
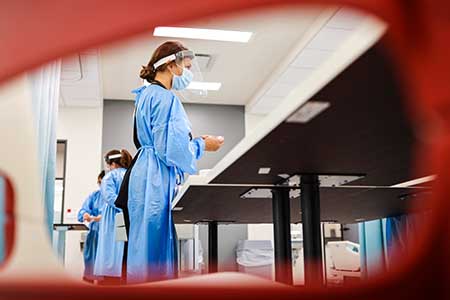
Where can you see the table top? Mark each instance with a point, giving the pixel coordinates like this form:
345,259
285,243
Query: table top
343,205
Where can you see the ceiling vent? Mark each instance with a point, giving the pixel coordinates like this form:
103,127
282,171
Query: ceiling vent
204,61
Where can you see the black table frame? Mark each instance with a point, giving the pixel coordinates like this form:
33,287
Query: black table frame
310,208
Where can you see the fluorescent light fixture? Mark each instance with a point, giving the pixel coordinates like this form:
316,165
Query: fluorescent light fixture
264,171
205,86
415,182
178,208
308,112
360,220
203,34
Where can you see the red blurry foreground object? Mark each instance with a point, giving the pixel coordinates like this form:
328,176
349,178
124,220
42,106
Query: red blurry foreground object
35,32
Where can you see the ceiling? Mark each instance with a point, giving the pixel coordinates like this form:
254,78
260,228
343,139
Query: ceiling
287,46
80,80
242,68
332,33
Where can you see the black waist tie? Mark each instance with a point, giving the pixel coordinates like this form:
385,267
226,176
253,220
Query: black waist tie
122,199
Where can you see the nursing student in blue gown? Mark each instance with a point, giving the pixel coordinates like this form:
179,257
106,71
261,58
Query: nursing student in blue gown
108,263
91,212
167,150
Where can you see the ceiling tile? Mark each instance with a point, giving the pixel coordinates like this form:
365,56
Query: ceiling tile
261,109
311,58
280,89
294,75
329,39
265,104
346,19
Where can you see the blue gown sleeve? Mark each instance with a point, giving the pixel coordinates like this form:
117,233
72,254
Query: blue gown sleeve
171,132
87,207
108,189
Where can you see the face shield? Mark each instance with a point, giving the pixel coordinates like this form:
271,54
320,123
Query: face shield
186,59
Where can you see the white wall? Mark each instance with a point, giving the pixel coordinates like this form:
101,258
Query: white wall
260,232
82,128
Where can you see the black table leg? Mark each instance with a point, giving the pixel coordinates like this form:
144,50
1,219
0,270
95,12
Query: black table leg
212,247
282,235
312,248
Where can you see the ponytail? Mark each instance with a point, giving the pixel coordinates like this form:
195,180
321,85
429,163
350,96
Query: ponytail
148,73
125,159
101,175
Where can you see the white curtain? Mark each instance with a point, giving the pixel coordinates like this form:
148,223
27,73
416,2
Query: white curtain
45,85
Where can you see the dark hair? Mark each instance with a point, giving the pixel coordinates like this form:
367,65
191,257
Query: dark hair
168,48
101,175
123,161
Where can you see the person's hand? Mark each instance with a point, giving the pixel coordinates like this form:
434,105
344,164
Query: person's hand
213,143
97,218
86,217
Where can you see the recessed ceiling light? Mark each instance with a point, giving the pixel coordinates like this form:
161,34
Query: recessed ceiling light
205,86
360,220
203,34
178,208
308,112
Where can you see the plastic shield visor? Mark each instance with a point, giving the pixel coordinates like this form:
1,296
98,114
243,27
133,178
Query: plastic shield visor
186,59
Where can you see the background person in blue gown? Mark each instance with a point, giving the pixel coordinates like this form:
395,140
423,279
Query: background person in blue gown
108,263
91,212
166,150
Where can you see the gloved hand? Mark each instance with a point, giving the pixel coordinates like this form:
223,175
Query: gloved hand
87,217
97,218
213,143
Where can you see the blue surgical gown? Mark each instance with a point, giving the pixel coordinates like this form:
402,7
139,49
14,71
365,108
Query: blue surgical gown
167,152
109,251
92,206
